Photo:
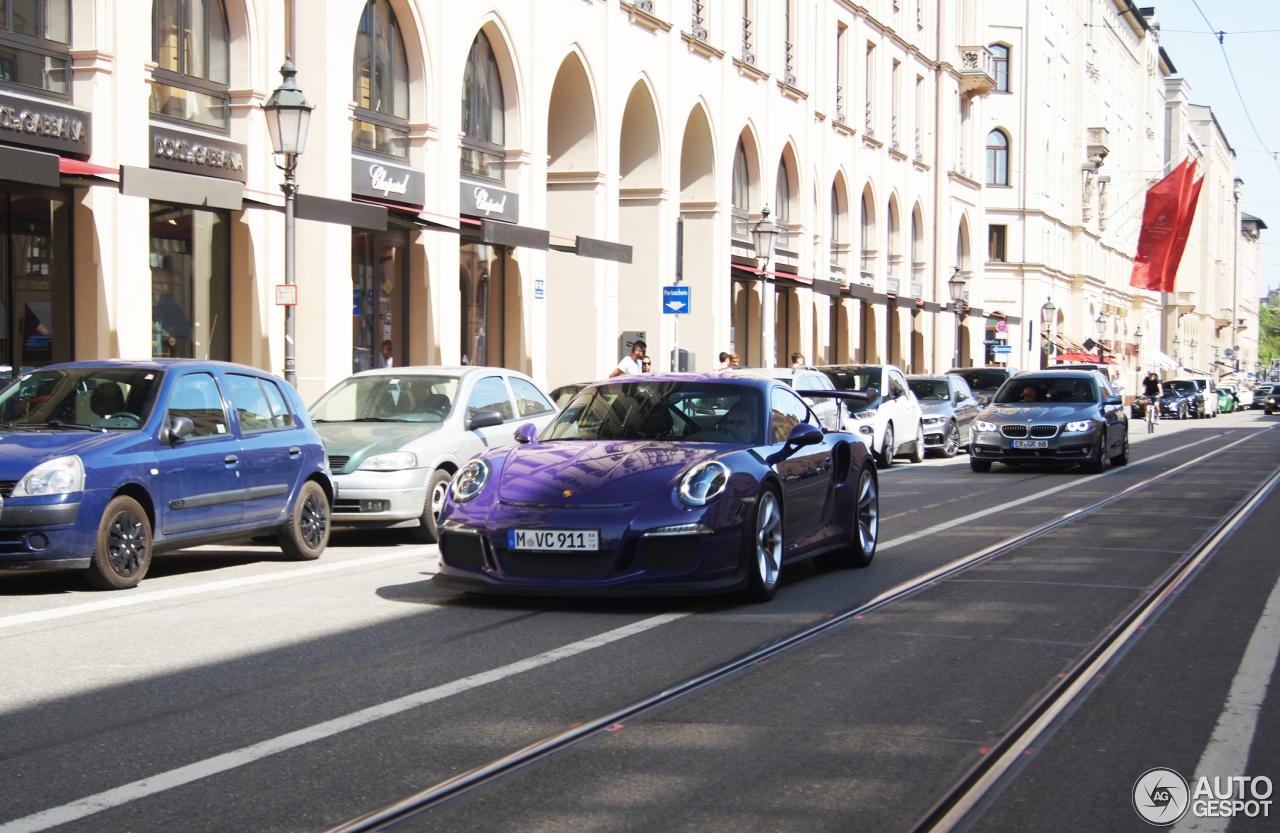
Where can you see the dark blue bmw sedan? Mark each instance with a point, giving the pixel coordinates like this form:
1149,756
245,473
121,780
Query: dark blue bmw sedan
103,464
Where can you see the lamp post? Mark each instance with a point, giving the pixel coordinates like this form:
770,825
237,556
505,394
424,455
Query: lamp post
288,115
764,234
1047,320
1177,352
1137,344
955,287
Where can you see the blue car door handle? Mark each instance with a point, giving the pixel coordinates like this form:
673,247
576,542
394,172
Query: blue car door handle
231,459
295,451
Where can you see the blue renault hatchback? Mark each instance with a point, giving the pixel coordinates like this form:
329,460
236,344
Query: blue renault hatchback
103,464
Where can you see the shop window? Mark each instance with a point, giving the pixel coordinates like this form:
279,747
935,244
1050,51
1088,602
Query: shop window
34,44
483,114
381,83
35,283
191,48
190,283
379,286
482,290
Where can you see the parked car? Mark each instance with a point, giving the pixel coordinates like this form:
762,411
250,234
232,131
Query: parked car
674,484
948,410
890,417
1226,399
1052,417
396,436
984,381
830,415
1260,393
563,394
105,464
1271,402
1176,404
1243,396
1204,391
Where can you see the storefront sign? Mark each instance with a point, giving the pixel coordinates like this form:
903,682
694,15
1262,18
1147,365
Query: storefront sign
489,201
43,125
381,180
192,153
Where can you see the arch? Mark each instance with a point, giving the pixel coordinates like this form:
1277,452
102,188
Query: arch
415,48
640,141
483,153
867,230
918,247
786,198
962,246
839,219
893,234
571,119
697,158
191,47
998,147
380,81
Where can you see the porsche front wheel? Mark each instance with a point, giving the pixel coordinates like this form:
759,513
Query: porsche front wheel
762,547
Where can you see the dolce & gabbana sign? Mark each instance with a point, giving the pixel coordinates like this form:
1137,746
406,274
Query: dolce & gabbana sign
191,153
380,180
487,201
42,125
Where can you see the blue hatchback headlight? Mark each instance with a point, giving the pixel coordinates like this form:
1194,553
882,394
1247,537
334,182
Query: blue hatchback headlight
471,480
59,476
704,483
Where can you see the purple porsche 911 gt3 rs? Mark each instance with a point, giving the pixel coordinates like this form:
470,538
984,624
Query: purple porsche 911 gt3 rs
664,484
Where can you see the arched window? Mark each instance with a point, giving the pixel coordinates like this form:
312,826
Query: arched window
997,158
1000,57
34,51
835,226
190,46
740,197
782,199
381,79
867,241
483,114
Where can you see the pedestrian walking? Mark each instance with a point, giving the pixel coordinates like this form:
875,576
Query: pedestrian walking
733,360
631,362
724,361
797,360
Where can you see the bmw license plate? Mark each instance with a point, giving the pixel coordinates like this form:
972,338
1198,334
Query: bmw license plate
563,540
1030,443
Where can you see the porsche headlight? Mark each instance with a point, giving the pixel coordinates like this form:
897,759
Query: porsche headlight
704,483
1077,427
987,427
59,476
391,461
471,480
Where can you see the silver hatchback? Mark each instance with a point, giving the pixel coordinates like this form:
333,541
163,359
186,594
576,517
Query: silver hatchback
396,436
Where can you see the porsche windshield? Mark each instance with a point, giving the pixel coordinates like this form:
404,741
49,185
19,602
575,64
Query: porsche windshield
672,411
383,397
1047,390
81,397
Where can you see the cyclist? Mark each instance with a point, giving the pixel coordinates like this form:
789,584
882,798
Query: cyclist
1153,390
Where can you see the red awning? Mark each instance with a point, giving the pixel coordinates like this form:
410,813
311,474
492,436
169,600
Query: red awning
75,167
1084,358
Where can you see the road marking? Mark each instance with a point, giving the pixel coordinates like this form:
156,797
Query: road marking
1227,753
231,760
991,510
136,597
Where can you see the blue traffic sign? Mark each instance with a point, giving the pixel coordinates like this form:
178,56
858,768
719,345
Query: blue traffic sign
675,300
1002,348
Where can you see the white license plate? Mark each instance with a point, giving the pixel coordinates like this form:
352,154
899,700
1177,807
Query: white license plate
585,540
1030,443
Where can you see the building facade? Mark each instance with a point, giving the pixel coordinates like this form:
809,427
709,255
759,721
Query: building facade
509,184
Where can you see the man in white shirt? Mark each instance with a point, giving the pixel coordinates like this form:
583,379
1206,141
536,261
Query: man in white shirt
630,363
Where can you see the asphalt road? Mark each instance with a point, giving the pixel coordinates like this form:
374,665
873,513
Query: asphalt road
238,691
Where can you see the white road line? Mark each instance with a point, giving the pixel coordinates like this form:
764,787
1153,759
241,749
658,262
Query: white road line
991,510
1227,753
230,760
136,597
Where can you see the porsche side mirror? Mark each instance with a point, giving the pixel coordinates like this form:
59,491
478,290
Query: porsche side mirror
484,419
804,434
178,428
526,433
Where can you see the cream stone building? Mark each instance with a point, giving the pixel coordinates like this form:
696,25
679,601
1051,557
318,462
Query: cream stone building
507,183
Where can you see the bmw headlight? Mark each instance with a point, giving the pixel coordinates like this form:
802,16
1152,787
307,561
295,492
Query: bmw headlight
59,476
704,483
1077,427
933,420
471,480
867,414
987,427
391,461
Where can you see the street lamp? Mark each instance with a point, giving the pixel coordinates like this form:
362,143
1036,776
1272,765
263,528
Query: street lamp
955,286
1137,345
1101,325
1177,355
764,234
288,115
1047,320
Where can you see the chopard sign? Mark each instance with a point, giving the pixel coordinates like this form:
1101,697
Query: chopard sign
44,125
487,201
174,150
483,203
382,181
379,180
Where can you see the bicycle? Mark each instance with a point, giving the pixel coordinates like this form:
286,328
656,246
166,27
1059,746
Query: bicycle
1153,408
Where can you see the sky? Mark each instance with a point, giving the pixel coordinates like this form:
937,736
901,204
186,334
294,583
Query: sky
1252,38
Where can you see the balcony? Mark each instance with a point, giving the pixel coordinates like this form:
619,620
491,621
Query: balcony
977,70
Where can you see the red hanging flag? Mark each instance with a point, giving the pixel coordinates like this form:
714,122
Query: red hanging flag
1186,213
1161,220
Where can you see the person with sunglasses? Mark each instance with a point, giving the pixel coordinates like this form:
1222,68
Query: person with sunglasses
646,365
740,423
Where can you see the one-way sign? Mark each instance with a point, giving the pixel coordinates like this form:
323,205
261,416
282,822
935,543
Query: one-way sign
675,300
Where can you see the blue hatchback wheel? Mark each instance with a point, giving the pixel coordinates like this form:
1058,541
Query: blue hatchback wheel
122,551
307,532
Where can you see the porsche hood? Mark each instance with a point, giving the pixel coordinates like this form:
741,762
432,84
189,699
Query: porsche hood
594,473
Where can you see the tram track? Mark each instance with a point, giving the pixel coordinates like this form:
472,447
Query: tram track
962,794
